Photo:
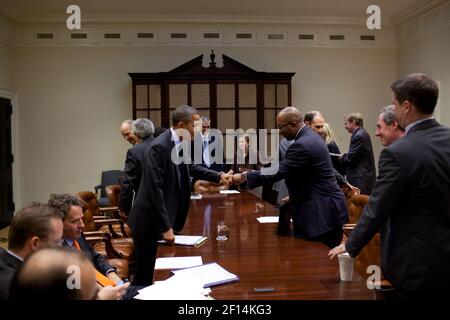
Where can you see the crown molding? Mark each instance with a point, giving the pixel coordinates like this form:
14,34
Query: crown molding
244,19
414,12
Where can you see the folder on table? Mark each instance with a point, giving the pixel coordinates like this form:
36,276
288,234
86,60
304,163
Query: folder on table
194,241
208,275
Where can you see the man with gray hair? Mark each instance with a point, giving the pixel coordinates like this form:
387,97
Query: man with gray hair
162,202
359,162
143,130
388,129
125,130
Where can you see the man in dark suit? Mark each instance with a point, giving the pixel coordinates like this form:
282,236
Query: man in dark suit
34,227
70,207
162,203
319,208
359,162
411,198
209,146
143,130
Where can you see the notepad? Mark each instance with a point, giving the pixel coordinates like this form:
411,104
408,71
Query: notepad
229,192
268,219
181,240
178,262
208,275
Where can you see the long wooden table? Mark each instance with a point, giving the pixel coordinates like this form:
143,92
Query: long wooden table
295,268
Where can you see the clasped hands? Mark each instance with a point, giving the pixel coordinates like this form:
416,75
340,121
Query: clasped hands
231,178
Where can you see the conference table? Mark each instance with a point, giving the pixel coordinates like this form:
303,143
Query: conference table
269,266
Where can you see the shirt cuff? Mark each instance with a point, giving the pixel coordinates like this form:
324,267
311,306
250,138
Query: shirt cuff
110,270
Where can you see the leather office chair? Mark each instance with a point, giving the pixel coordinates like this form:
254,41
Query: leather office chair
119,229
109,177
202,186
371,254
123,245
95,238
113,193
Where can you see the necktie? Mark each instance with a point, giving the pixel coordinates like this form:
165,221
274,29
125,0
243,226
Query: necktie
101,279
206,159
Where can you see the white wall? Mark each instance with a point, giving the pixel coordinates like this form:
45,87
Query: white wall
430,55
5,66
73,99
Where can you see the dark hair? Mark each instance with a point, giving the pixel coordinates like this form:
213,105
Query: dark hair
63,202
356,118
309,116
36,281
419,89
183,114
30,221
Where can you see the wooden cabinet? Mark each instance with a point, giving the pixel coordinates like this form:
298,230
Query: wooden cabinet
233,96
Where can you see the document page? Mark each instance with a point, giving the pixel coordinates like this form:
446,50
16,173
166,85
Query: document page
177,262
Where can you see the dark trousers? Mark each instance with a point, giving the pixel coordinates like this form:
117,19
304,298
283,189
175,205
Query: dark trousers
332,238
145,249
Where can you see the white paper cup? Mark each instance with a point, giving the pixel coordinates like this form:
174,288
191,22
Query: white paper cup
346,266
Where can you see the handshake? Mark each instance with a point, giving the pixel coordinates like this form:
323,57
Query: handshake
231,178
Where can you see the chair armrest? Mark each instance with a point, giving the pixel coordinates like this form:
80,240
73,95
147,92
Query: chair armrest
93,240
107,209
110,223
93,233
98,187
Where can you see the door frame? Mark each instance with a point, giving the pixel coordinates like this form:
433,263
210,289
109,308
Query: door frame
11,95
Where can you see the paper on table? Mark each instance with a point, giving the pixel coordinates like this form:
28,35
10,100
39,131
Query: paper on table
178,262
229,192
188,240
268,219
208,275
175,288
196,196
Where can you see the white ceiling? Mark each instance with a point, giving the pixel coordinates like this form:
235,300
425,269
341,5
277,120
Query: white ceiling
39,10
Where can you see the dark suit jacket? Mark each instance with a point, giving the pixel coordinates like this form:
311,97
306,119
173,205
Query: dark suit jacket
411,201
318,203
213,165
96,258
162,201
133,171
359,161
8,265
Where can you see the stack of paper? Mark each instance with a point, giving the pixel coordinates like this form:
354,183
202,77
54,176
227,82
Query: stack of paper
188,240
229,192
178,287
207,275
268,219
178,262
